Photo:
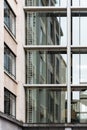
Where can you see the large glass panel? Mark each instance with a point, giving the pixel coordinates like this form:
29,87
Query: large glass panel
45,67
45,105
79,68
46,28
46,3
79,2
79,28
79,105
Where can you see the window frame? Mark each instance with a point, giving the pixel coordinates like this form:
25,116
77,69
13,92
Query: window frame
10,107
13,67
12,17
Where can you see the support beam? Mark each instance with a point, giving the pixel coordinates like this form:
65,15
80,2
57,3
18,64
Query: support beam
69,63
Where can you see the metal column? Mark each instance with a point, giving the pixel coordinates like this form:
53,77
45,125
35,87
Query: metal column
68,61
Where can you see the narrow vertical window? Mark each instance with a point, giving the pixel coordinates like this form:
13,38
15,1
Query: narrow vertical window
9,18
9,103
9,62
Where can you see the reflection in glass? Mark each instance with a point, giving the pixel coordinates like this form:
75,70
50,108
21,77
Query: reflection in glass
79,2
79,68
46,105
79,105
46,28
45,67
45,2
79,28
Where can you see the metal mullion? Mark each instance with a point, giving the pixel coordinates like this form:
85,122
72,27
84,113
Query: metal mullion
69,62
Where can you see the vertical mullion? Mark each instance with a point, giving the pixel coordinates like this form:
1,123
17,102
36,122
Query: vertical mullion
68,61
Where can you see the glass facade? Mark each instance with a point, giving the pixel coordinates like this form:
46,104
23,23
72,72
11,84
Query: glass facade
45,67
56,53
46,3
79,28
46,28
79,105
79,69
79,3
44,105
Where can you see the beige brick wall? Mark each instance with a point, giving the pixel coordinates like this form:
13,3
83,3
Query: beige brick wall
20,62
16,45
10,42
1,57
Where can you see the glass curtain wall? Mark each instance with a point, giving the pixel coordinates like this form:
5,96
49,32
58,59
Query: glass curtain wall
44,105
46,3
56,53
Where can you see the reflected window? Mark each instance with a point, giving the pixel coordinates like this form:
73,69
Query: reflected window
45,105
41,36
57,39
46,3
46,27
45,67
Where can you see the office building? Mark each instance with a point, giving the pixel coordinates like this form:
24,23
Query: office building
43,65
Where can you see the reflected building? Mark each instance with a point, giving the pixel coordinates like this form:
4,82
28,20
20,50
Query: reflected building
44,67
43,64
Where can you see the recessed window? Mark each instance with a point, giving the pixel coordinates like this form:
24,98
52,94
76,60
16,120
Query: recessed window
9,62
9,18
9,103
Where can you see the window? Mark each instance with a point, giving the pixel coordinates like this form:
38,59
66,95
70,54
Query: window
57,40
41,36
9,18
9,62
9,103
51,31
57,67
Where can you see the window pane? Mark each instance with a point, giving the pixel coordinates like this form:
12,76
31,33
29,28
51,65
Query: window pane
9,18
46,105
79,2
46,2
45,67
79,105
46,28
9,103
9,62
79,68
79,28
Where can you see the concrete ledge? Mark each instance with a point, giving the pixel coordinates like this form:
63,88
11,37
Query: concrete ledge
10,119
25,126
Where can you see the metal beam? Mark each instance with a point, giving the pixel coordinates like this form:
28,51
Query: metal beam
79,49
50,86
53,48
47,9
